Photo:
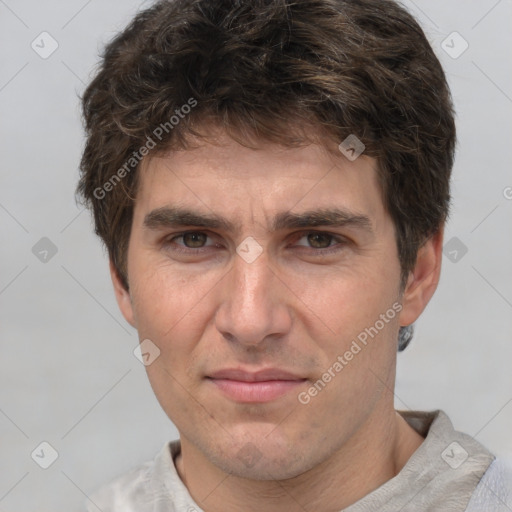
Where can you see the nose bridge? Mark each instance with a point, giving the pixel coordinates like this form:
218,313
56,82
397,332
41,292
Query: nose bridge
252,282
252,307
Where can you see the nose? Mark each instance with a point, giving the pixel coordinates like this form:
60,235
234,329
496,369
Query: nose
254,309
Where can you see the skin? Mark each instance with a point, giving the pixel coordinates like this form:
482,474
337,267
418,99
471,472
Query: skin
294,307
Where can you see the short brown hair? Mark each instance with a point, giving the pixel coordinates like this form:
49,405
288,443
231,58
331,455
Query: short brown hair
264,70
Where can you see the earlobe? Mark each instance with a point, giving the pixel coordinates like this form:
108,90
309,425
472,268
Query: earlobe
122,296
423,279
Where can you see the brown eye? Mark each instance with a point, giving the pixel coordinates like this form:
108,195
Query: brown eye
319,240
194,240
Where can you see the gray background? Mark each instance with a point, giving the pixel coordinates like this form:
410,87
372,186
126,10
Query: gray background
67,369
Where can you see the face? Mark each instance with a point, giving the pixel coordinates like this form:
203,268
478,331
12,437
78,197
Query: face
258,274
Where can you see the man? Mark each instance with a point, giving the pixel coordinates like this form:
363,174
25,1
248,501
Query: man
271,180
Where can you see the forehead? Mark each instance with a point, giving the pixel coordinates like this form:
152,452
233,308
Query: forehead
247,184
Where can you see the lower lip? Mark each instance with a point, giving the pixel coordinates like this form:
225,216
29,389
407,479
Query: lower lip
256,392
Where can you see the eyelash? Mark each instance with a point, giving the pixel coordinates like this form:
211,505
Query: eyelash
340,242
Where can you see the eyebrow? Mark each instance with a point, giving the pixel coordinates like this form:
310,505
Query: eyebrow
175,217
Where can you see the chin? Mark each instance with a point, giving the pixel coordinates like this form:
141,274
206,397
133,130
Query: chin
260,459
264,469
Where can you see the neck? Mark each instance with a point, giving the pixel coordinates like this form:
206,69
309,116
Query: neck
374,455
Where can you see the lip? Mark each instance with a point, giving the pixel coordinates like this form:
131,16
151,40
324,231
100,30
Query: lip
255,387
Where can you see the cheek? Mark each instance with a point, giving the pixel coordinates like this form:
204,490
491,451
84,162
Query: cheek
343,318
167,301
172,311
343,302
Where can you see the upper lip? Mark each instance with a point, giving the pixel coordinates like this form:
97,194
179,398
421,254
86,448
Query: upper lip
254,376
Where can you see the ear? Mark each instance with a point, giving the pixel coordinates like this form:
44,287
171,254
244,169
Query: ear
423,279
122,296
